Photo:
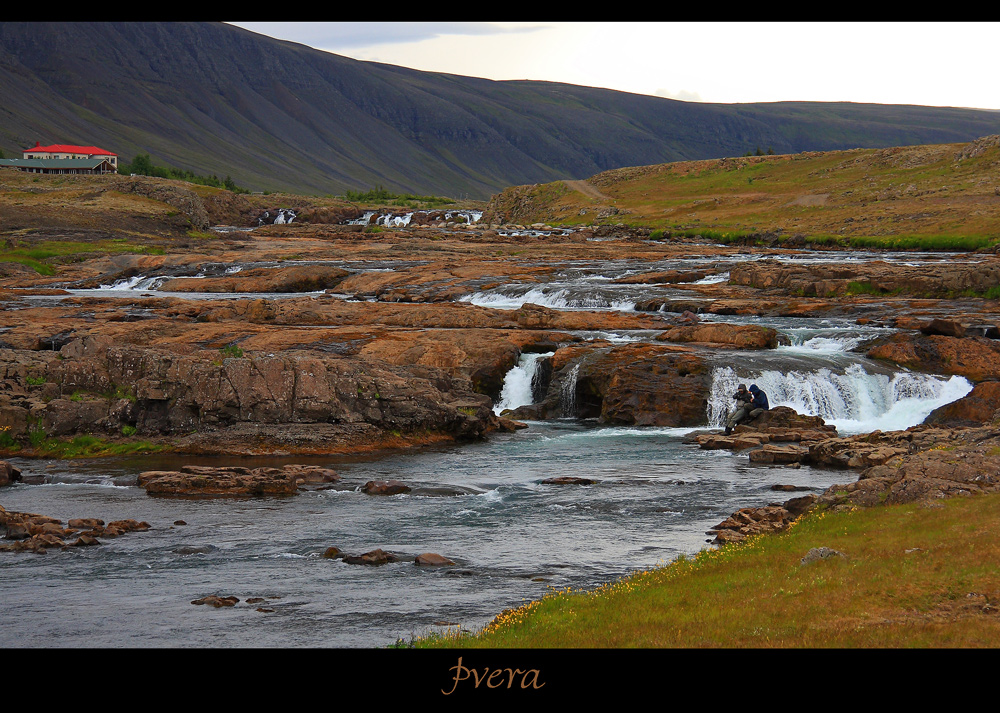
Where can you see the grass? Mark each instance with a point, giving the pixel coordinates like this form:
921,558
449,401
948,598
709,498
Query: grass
867,288
914,576
41,256
919,198
85,446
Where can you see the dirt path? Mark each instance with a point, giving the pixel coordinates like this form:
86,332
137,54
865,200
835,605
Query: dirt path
587,190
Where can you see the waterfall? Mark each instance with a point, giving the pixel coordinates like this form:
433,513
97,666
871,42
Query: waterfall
363,220
518,384
281,216
138,283
567,392
854,401
515,296
395,221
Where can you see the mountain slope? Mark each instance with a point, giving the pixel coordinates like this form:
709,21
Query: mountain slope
213,98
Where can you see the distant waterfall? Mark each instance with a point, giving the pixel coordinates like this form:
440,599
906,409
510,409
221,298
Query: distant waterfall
854,401
567,392
518,383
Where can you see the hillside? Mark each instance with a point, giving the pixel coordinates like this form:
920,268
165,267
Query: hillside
941,190
212,98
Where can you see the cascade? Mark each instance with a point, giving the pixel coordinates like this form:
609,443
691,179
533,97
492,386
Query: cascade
567,392
855,401
363,220
518,383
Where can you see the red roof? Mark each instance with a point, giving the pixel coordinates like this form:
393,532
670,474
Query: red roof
66,148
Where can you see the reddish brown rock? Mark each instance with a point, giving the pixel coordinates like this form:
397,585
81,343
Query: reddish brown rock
945,327
385,487
975,358
748,522
217,601
203,481
8,473
375,557
772,453
430,559
297,278
635,384
738,336
939,463
81,523
568,480
876,276
976,408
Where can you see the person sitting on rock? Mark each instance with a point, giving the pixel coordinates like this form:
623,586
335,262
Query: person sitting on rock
751,405
759,403
743,399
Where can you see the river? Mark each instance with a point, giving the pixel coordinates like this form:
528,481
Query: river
482,505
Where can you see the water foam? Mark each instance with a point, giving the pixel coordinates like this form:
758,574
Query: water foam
854,401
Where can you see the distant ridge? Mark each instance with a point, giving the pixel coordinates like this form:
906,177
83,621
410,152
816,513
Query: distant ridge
275,115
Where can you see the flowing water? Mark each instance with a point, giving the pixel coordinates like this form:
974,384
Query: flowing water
483,505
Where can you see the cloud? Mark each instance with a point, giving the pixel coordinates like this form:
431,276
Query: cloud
341,35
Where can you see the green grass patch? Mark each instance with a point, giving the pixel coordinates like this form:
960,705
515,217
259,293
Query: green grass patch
913,576
7,442
42,256
867,288
231,351
88,446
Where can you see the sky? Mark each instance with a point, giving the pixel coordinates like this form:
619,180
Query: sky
925,63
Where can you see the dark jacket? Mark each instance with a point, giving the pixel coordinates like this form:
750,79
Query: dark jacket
759,399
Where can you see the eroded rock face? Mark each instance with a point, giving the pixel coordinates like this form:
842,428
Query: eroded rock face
976,358
943,463
980,406
827,280
637,384
158,392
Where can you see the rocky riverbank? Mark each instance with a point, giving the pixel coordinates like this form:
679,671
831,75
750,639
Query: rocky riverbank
313,337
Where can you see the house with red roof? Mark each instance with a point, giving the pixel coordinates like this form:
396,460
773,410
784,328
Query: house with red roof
64,158
67,151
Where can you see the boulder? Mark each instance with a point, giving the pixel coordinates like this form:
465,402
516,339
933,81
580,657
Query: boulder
8,473
375,557
385,487
976,408
738,336
205,481
772,453
430,559
634,384
944,327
